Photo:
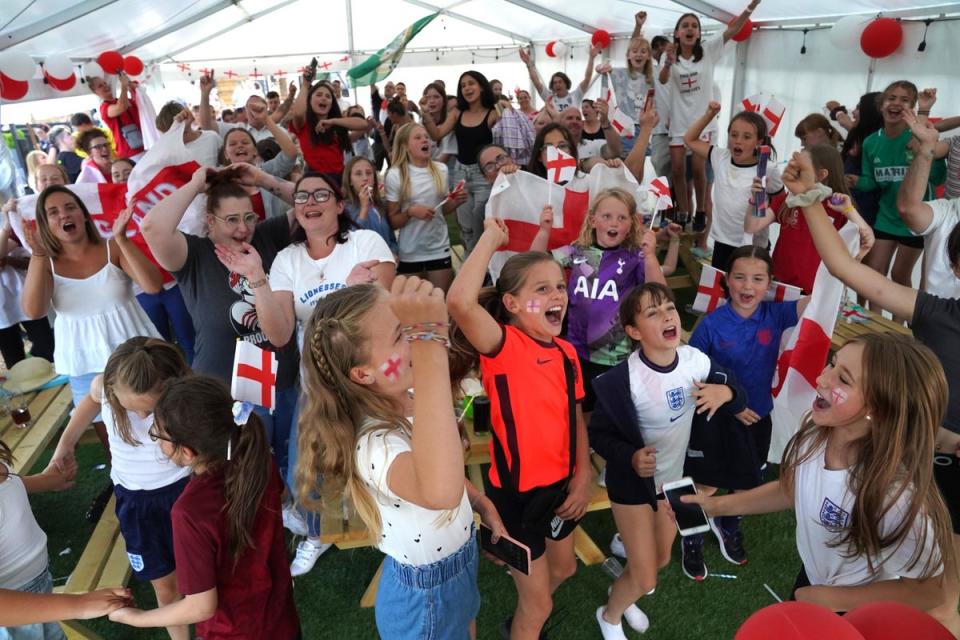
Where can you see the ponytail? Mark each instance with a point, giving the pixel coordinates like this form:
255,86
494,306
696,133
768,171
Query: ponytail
196,412
6,455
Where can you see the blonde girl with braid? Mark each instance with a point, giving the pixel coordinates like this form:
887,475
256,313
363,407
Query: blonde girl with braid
397,455
417,201
145,482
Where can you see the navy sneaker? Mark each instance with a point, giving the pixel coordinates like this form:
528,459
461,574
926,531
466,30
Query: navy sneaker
693,565
700,222
730,539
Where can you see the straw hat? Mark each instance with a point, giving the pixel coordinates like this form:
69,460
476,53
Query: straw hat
29,374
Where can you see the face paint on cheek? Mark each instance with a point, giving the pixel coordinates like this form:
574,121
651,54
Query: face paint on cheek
533,306
392,368
839,396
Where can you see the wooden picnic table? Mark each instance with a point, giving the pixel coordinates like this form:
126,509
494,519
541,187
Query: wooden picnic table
49,410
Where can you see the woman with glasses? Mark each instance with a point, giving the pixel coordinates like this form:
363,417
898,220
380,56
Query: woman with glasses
225,304
96,166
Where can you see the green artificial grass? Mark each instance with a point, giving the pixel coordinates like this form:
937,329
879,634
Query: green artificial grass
328,597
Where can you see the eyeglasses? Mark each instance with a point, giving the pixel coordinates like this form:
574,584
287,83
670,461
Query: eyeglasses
496,163
98,147
250,219
319,196
154,436
560,146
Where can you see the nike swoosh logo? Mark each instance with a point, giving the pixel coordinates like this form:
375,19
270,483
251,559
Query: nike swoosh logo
555,526
539,361
675,418
579,260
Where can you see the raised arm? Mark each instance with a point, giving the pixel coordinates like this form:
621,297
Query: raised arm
131,259
532,70
431,475
207,121
639,18
436,130
281,112
298,112
588,74
287,146
735,26
692,137
159,226
669,57
874,286
636,159
480,328
38,286
613,146
123,98
916,213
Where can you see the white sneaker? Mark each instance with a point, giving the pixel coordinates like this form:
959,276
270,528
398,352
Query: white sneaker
602,478
616,546
307,553
635,616
293,520
609,631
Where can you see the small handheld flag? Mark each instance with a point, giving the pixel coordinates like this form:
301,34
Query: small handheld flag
254,377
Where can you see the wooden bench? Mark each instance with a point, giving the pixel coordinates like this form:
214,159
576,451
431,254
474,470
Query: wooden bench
876,323
49,410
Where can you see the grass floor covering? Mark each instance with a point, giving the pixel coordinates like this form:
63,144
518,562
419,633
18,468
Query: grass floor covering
328,597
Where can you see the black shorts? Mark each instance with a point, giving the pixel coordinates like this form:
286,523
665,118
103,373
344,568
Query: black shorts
727,454
510,506
407,268
914,242
721,255
946,473
624,486
147,530
590,371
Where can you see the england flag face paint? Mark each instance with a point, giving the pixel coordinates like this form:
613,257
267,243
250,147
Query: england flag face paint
392,368
533,306
838,396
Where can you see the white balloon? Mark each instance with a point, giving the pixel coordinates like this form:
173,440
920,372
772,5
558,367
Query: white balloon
845,33
559,49
17,65
93,70
59,66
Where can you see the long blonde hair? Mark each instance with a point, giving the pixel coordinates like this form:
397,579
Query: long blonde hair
401,160
588,235
338,412
894,457
647,69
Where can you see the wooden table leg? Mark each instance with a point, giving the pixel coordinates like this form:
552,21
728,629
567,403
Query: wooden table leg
586,549
369,597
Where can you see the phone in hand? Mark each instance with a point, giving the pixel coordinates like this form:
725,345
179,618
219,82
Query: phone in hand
691,519
313,68
515,554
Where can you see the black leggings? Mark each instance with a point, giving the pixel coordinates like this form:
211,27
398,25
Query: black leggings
11,342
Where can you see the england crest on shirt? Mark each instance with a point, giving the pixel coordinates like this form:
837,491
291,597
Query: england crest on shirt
675,398
832,516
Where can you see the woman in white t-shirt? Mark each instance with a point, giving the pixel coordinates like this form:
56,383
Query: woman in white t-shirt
688,70
871,524
417,201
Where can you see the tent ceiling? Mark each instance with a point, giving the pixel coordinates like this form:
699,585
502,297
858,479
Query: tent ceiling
246,29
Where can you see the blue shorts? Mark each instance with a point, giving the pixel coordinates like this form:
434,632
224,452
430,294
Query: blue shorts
147,529
80,389
430,602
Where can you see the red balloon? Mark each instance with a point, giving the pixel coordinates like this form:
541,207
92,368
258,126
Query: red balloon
132,65
893,621
797,621
882,37
600,38
745,30
549,49
11,89
110,61
61,84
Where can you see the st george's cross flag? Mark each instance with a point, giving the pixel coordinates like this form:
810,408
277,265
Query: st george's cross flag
660,187
804,352
561,167
769,108
710,293
254,377
519,197
624,124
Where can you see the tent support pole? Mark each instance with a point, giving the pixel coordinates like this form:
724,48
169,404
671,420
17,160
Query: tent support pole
349,7
553,15
468,20
206,13
738,92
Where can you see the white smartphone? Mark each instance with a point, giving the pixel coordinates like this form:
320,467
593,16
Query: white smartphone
691,519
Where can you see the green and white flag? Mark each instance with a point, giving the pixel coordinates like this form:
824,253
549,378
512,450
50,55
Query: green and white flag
383,62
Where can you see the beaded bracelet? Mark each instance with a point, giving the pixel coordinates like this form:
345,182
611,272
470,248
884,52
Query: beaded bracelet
418,336
416,326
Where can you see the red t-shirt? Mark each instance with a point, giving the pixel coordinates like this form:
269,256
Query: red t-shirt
255,598
795,258
257,201
529,414
325,158
125,128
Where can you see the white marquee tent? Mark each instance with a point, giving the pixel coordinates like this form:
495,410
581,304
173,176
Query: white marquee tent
272,36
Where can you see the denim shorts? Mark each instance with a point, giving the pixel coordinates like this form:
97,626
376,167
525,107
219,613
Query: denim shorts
430,602
41,631
80,389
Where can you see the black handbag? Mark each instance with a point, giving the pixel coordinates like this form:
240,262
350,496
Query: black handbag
540,504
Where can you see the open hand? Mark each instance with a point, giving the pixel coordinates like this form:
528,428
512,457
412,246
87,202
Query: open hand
926,99
246,263
710,397
120,224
